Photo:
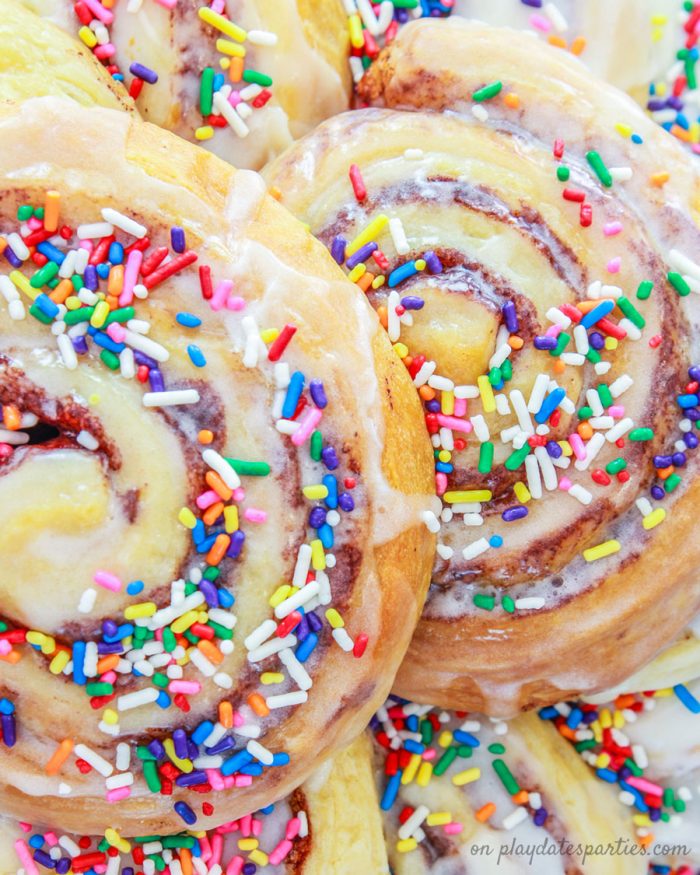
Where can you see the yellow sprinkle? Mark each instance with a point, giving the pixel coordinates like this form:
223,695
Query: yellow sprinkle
87,36
651,520
334,618
248,844
224,63
100,313
468,776
378,281
641,820
425,773
113,838
36,638
142,609
187,518
403,846
401,350
231,518
624,130
460,495
566,448
315,492
664,694
522,493
318,557
357,272
269,335
605,718
368,233
226,47
409,773
59,662
611,343
271,677
205,132
184,765
596,730
420,263
110,717
600,551
602,761
22,283
447,402
222,24
258,857
94,399
439,818
444,456
280,594
49,646
486,391
357,39
73,303
445,738
658,19
618,719
184,622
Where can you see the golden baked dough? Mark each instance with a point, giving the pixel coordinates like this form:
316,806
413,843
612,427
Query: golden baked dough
37,58
498,223
300,46
118,507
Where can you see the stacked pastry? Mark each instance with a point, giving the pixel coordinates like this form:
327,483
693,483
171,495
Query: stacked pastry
226,484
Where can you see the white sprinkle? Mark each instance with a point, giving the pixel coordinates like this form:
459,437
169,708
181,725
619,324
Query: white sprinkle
621,174
262,38
324,595
502,405
445,552
123,756
124,780
285,700
413,154
358,71
500,355
473,519
296,670
683,264
555,15
223,680
431,521
412,823
286,426
18,246
554,314
481,429
549,474
393,328
480,112
539,390
509,434
521,411
601,422
94,230
644,506
601,368
620,385
476,548
593,290
343,640
87,601
622,427
146,345
398,235
610,292
574,359
199,660
593,447
532,603
16,310
633,333
119,220
137,699
532,472
67,843
8,289
218,464
87,440
640,756
67,352
170,399
224,108
594,402
442,384
515,817
304,595
466,392
262,633
98,763
270,647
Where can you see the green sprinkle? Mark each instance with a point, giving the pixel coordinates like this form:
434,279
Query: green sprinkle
40,315
562,342
177,841
72,317
169,639
496,747
585,413
464,751
212,573
316,446
506,777
426,731
249,469
644,289
633,767
563,173
495,376
672,482
593,356
159,861
191,637
143,753
366,62
77,281
485,457
39,212
679,806
599,168
43,275
692,80
508,604
487,92
631,312
24,212
606,399
257,78
487,602
99,689
668,797
53,283
160,680
405,4
121,314
616,465
110,359
445,761
221,631
641,434
190,588
516,459
679,284
665,816
585,745
103,845
206,91
507,370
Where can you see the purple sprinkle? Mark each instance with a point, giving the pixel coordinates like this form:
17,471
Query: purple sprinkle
624,772
103,648
679,459
9,734
318,394
43,858
90,278
329,457
338,249
211,595
675,103
149,76
656,104
109,628
157,749
596,340
543,341
192,749
589,717
654,814
155,378
128,871
432,262
302,630
180,743
177,238
535,4
79,344
510,317
401,15
236,545
362,254
657,493
315,621
317,517
663,461
690,440
14,260
142,359
553,449
226,743
249,869
195,777
432,406
694,373
64,864
693,413
412,302
540,816
514,513
346,502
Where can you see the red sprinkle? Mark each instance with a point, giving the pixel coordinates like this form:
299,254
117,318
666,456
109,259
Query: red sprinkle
172,267
623,476
151,262
573,194
136,87
655,341
586,215
358,185
205,283
207,809
278,346
600,477
360,645
558,148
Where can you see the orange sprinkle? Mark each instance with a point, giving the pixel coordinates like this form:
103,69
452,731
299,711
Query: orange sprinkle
3,245
578,44
515,342
624,701
218,550
559,367
185,861
112,301
211,651
235,70
115,281
426,393
51,206
11,417
205,436
212,513
521,797
62,291
13,657
681,133
557,41
665,473
59,756
645,840
226,714
567,733
107,663
660,178
383,318
365,281
586,306
585,431
407,360
483,814
217,484
511,100
274,192
258,704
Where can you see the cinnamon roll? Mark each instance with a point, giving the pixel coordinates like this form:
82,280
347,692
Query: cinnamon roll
243,78
528,237
211,484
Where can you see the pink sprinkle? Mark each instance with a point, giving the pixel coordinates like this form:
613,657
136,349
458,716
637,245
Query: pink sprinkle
440,483
242,780
454,423
87,245
460,406
577,445
235,866
217,846
169,4
206,849
226,828
308,424
221,293
189,688
239,494
453,828
215,779
539,22
106,50
51,839
246,825
34,224
554,330
206,499
108,581
254,515
229,782
24,826
613,265
118,794
235,303
565,484
26,858
257,827
100,869
293,827
280,852
5,647
234,98
238,719
617,411
117,332
98,10
131,274
645,786
109,677
612,228
218,6
429,754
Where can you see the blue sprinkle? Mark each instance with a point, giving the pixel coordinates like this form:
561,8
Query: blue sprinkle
413,746
236,762
46,305
574,718
496,541
79,663
196,356
135,587
307,646
401,273
294,390
7,707
687,698
391,791
218,82
182,808
116,253
53,253
466,738
549,713
549,405
607,775
226,600
331,485
268,809
163,700
103,270
636,139
189,320
597,313
202,731
36,842
326,536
